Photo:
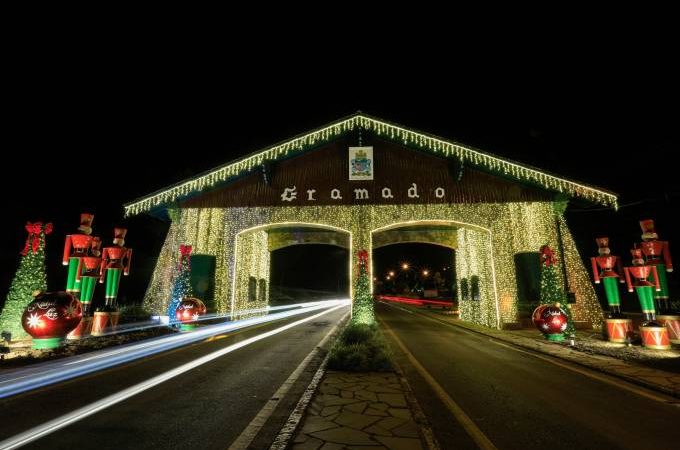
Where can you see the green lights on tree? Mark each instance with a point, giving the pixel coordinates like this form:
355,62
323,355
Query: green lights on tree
29,278
362,311
551,287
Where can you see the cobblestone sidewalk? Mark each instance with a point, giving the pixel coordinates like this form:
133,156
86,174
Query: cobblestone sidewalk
359,411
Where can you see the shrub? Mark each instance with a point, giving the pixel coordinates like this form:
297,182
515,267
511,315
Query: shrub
360,348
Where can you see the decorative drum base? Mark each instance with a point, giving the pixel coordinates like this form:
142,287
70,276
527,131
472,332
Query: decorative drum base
115,318
618,330
672,324
82,330
655,338
101,319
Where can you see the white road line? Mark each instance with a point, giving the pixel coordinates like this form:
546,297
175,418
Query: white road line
246,437
86,411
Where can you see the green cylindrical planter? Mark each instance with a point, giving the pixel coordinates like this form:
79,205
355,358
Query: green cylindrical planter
187,327
555,337
46,344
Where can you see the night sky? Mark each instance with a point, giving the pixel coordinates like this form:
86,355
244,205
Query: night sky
84,137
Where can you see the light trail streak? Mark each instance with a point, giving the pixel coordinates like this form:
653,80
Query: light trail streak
81,413
54,372
414,301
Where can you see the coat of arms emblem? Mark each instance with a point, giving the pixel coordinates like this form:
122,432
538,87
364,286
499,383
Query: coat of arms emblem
361,163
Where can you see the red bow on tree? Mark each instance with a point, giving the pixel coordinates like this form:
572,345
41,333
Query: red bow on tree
363,260
33,239
547,256
184,252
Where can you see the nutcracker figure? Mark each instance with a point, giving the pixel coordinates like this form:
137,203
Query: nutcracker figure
115,261
76,247
604,269
653,335
88,272
657,253
608,269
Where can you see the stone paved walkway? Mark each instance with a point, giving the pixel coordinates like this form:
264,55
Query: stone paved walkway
359,411
665,381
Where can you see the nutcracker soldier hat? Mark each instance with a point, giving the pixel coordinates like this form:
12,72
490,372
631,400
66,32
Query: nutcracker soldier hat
119,236
648,230
86,223
603,245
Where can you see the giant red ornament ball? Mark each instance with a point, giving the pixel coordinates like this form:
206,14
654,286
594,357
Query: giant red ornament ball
52,315
549,319
190,309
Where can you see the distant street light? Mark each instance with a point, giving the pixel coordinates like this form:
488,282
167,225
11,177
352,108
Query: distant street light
426,272
391,273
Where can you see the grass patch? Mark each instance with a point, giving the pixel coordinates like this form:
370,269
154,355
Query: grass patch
360,348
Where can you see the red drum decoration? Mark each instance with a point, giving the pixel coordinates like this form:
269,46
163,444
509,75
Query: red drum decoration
655,337
551,321
672,324
50,317
619,330
100,321
83,329
188,311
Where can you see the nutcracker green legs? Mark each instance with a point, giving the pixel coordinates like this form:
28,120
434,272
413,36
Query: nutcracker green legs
73,285
611,290
112,283
646,297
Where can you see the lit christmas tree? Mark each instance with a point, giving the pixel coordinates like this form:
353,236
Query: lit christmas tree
363,300
182,285
551,287
29,278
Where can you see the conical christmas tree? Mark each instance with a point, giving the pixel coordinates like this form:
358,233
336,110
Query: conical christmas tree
182,285
362,311
551,288
29,278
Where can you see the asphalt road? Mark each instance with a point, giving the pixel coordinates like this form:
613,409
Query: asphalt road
517,400
205,408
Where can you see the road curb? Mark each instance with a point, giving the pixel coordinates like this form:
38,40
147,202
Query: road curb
419,416
664,390
282,440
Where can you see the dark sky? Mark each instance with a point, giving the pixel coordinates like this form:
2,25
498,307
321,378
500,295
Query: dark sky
92,133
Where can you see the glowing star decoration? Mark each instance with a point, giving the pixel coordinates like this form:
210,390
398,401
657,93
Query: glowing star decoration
50,317
34,321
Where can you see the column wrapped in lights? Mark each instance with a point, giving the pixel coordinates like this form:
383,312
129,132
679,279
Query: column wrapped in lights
499,230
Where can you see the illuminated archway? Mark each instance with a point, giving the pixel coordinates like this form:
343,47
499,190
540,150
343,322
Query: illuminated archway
252,256
474,259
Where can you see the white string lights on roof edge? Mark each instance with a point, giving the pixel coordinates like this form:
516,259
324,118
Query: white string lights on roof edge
383,129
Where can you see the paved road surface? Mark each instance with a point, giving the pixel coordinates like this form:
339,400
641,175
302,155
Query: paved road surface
519,401
205,408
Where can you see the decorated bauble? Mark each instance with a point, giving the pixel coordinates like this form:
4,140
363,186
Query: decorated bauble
550,320
50,317
189,310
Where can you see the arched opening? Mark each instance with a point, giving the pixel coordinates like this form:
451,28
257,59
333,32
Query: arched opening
473,293
305,261
418,270
308,272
